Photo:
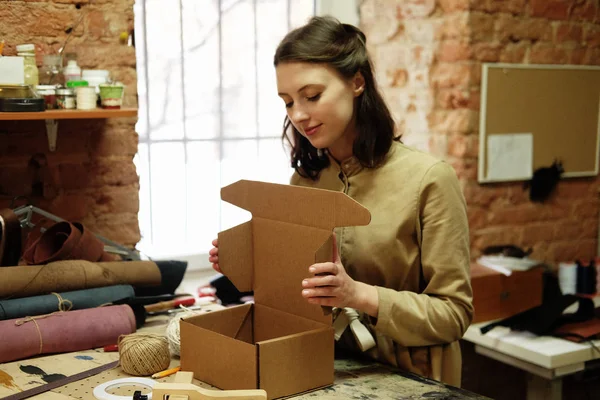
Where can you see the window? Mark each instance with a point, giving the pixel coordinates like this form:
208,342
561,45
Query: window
209,113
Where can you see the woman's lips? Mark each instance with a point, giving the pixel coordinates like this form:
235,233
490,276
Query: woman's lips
312,131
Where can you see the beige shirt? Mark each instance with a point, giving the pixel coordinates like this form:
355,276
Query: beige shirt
415,251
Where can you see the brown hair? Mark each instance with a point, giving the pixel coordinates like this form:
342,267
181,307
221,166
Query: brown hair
324,40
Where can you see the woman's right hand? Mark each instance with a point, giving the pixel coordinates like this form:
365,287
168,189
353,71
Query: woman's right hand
213,256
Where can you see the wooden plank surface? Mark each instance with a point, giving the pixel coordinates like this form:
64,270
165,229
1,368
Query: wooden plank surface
68,114
353,378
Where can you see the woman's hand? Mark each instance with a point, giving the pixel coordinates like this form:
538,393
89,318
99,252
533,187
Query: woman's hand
332,286
213,256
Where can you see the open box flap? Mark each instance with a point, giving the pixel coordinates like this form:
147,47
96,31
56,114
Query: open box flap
326,209
291,229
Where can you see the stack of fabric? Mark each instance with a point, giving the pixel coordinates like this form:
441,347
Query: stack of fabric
68,294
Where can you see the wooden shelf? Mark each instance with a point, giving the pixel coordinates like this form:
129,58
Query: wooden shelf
51,118
68,114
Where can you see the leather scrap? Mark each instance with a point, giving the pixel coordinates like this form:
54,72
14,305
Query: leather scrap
66,241
10,238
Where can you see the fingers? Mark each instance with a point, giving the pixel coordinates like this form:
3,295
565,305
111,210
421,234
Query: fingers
336,256
320,292
213,252
217,268
324,268
327,280
215,242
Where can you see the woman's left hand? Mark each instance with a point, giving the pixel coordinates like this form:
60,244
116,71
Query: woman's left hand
330,285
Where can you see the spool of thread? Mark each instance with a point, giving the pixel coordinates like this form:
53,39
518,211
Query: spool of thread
143,354
172,331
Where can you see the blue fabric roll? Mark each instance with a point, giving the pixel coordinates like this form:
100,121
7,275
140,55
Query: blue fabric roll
79,299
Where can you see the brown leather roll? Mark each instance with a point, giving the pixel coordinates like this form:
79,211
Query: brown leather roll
10,238
66,241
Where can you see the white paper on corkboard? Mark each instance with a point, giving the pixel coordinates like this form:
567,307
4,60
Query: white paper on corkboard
510,156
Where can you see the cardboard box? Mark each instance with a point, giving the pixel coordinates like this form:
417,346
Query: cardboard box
497,296
281,344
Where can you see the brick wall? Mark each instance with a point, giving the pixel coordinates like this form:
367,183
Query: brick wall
428,56
91,176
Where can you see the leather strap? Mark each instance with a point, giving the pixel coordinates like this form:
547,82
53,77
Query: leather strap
349,317
10,238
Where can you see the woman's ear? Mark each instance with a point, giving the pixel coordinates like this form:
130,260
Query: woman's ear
358,84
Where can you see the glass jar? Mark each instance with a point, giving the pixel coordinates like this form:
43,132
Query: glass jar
51,71
48,92
27,51
65,99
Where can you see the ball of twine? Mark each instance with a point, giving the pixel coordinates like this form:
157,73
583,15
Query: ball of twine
172,332
143,354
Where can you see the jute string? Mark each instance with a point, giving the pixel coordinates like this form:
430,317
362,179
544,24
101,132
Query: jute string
143,354
64,305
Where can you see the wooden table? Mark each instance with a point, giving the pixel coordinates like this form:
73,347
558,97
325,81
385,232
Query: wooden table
546,359
354,379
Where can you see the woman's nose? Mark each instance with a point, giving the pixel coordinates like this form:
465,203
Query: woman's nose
299,115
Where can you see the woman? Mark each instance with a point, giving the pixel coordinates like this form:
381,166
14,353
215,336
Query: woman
407,272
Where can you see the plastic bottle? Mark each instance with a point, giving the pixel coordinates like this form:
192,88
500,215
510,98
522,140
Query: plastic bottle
27,51
72,72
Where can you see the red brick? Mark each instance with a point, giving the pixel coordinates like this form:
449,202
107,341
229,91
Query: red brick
115,200
543,53
415,9
517,214
513,29
508,6
453,50
592,56
591,35
463,146
454,5
71,206
105,56
446,75
454,98
122,142
585,211
577,55
568,32
454,121
538,232
486,51
113,172
481,26
551,9
477,217
564,251
483,195
465,168
514,53
584,10
457,25
438,145
496,236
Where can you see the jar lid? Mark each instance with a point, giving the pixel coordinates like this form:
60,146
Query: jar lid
72,84
25,47
45,87
65,92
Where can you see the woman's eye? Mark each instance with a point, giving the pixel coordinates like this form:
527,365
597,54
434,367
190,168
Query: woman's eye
289,105
314,98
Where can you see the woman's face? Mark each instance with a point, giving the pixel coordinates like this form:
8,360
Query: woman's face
319,102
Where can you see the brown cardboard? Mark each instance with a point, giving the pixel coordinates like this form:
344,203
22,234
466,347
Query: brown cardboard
281,344
497,296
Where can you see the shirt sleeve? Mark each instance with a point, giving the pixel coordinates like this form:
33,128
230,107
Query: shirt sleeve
444,310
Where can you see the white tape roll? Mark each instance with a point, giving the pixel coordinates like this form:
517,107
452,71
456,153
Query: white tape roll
101,394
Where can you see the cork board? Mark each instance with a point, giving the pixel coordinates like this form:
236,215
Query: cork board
539,113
